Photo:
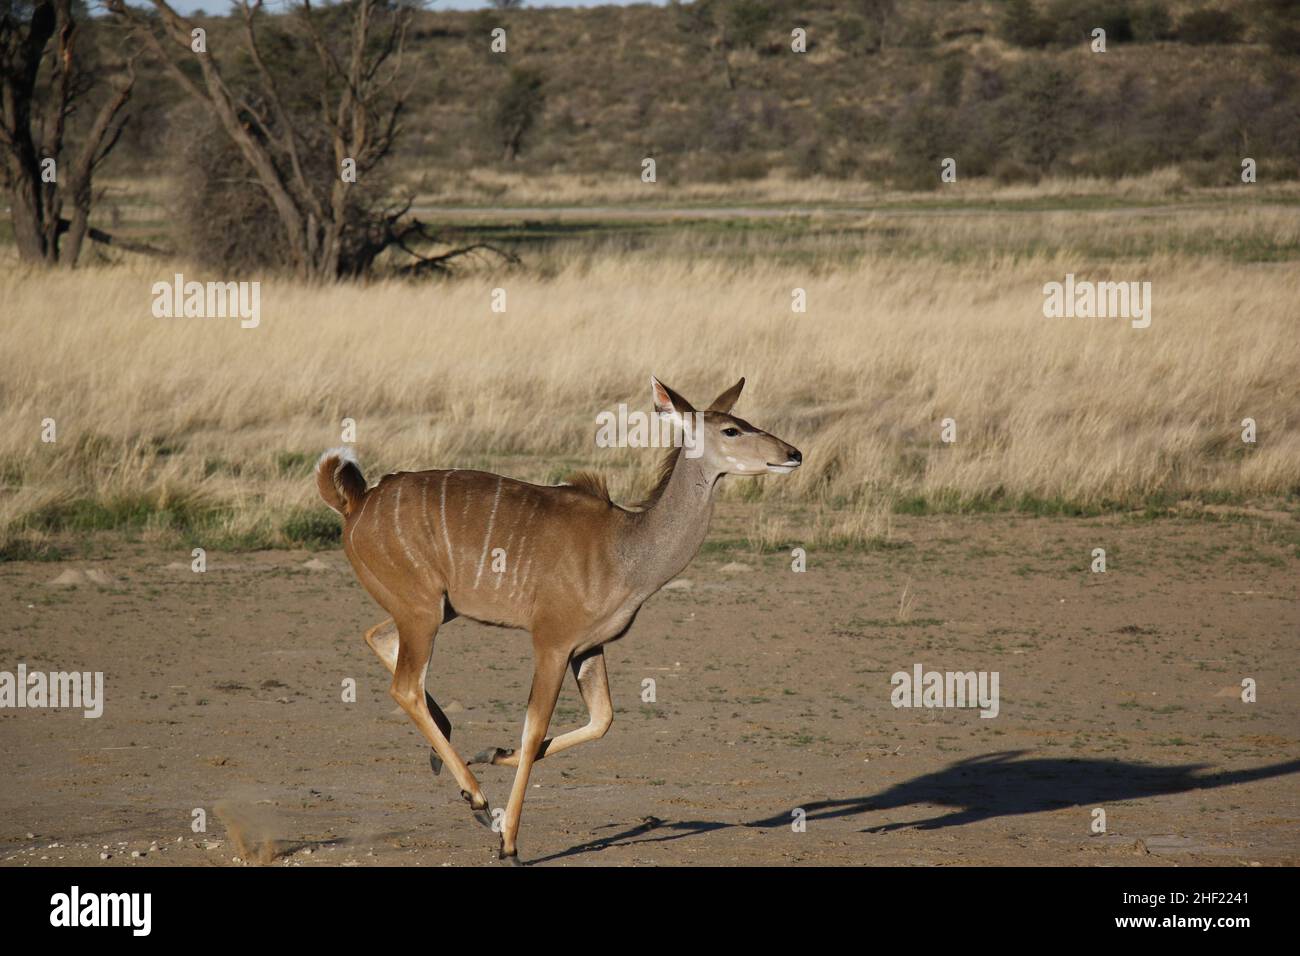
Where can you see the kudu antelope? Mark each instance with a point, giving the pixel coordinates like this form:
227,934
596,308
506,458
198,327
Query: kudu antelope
576,570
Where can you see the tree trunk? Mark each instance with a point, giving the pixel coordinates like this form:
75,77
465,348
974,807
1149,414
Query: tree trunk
33,126
26,208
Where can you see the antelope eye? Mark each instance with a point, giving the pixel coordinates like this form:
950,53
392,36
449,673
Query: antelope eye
731,432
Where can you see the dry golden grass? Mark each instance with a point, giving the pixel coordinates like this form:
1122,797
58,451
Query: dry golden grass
167,423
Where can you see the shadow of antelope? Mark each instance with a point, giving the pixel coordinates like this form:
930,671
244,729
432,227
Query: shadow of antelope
984,787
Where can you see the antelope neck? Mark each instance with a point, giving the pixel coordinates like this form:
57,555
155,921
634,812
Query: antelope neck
664,538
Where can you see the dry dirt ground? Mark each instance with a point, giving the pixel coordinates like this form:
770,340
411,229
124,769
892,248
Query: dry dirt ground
1118,691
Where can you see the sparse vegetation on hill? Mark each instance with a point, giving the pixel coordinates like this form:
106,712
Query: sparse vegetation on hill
713,91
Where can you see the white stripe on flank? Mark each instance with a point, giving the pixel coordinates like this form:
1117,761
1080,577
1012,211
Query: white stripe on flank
487,537
381,542
424,517
352,534
442,515
527,568
506,549
519,559
397,529
464,514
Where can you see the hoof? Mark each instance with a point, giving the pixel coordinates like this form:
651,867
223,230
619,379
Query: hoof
491,755
482,814
509,859
435,762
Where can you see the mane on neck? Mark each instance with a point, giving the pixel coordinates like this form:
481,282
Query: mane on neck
663,475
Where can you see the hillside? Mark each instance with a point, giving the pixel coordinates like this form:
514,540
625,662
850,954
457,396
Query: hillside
715,93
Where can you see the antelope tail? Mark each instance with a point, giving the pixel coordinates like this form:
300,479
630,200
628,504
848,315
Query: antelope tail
339,479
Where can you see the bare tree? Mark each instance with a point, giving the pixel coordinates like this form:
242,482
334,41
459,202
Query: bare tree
881,15
43,83
703,27
284,126
719,28
517,108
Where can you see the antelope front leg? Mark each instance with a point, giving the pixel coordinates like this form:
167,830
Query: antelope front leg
382,639
414,648
593,684
548,675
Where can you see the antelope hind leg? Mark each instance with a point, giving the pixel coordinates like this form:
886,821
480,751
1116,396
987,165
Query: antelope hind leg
414,648
382,639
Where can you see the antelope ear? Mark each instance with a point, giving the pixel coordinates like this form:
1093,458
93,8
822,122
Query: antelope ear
667,402
727,400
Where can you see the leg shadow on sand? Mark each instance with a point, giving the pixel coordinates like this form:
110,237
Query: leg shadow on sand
992,785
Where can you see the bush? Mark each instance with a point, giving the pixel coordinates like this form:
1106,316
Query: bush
810,160
915,33
1117,24
1284,40
1072,23
851,35
1210,26
1022,25
518,105
748,21
952,74
741,169
1041,115
1279,26
1008,172
922,135
1151,22
221,221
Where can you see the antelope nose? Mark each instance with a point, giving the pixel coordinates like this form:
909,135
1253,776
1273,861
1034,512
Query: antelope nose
796,455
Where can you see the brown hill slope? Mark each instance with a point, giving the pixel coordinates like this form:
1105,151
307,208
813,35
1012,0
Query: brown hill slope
714,92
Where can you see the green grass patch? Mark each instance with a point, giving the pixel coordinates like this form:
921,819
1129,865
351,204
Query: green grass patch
20,549
124,513
955,502
313,528
294,462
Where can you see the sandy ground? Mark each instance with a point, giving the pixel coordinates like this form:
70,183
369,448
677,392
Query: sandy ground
1118,691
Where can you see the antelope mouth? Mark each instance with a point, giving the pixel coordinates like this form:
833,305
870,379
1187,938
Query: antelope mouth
784,468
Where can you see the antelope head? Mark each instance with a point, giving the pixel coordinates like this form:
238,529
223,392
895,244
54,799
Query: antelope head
725,444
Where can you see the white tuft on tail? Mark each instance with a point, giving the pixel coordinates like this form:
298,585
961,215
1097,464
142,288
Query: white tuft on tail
339,479
343,453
